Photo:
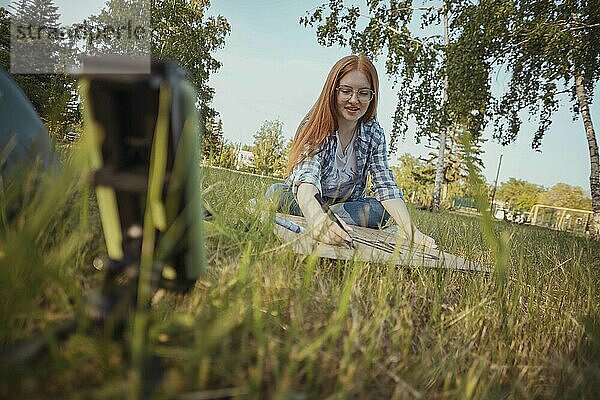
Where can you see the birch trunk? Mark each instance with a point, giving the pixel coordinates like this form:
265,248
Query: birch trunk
439,170
584,109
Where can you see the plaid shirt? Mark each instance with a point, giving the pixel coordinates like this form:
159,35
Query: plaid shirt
371,158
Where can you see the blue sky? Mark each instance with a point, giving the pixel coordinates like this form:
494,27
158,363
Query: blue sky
274,68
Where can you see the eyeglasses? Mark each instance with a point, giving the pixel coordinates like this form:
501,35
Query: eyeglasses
363,95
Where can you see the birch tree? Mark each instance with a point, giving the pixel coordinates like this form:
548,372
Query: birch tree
551,50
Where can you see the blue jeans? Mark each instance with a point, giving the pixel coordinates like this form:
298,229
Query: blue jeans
367,212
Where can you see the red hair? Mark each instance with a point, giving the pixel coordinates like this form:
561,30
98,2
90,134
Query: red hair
321,120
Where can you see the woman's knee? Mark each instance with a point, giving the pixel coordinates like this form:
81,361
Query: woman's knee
281,194
379,215
368,212
275,190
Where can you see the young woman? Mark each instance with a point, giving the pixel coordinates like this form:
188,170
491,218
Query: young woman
337,146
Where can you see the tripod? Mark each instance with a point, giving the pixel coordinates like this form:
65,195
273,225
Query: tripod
141,137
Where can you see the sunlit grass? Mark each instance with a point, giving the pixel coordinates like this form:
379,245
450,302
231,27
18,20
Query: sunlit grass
271,324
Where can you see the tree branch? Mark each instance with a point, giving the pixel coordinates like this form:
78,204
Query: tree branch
397,32
584,26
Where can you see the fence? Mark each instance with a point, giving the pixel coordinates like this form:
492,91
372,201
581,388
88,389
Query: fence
561,218
465,204
203,165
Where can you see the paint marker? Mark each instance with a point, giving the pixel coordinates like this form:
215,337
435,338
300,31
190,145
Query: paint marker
287,224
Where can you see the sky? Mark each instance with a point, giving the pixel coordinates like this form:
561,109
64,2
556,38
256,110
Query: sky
274,68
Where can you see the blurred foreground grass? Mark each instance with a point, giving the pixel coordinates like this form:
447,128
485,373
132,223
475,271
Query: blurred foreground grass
265,323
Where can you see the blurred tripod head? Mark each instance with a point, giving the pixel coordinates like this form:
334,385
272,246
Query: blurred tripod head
143,134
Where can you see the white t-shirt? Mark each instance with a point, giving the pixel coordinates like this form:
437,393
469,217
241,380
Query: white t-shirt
345,172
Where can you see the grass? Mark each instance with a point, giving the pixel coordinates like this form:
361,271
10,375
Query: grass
266,323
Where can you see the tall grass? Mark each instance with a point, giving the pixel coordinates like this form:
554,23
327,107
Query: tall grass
48,237
266,323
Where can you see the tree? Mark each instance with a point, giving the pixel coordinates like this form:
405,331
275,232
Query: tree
549,48
431,72
415,177
34,49
268,149
213,141
215,149
53,95
224,154
564,195
461,151
181,31
108,39
228,156
4,38
519,194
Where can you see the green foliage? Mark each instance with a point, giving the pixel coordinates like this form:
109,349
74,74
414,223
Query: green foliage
225,156
31,51
217,151
228,156
468,68
564,195
212,140
53,95
181,31
269,149
519,194
549,48
543,45
119,13
457,159
415,177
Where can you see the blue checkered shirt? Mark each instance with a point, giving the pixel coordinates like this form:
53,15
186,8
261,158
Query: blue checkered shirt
371,159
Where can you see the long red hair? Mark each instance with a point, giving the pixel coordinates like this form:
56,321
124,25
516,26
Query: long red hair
321,120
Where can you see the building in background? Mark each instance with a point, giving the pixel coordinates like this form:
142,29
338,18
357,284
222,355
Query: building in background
245,159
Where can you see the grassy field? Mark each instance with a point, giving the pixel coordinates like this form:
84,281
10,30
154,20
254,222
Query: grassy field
265,323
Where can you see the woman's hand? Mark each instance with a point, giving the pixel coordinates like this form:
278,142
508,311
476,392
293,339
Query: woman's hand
325,230
399,212
321,227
